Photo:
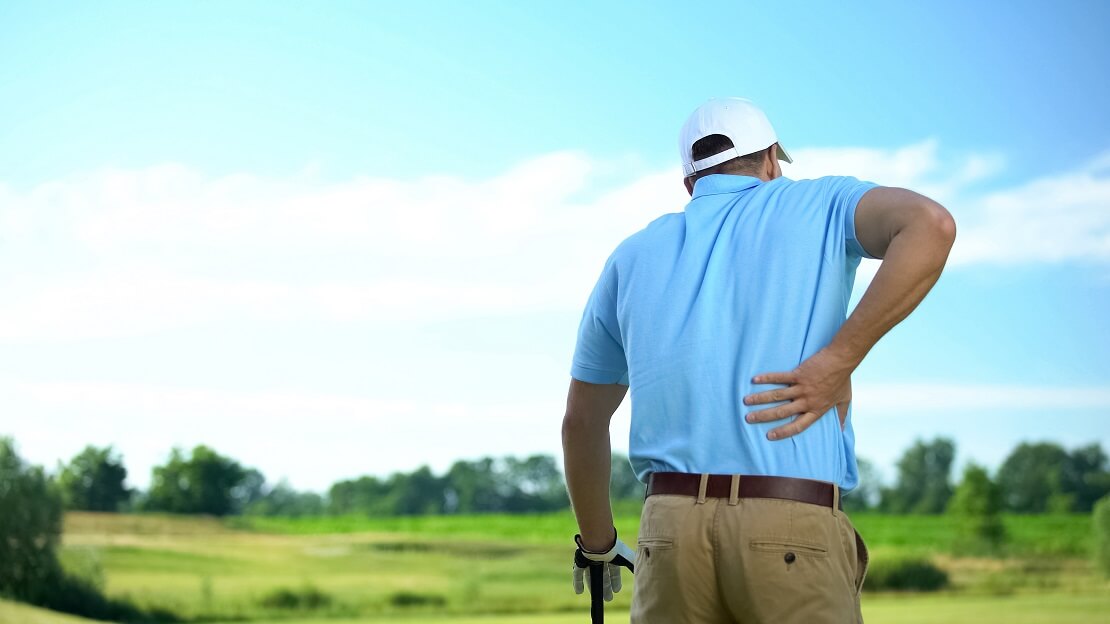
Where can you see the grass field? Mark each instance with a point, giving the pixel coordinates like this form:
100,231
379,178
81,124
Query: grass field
511,569
1029,609
1050,535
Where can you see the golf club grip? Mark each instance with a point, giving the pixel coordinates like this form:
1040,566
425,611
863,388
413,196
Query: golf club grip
597,600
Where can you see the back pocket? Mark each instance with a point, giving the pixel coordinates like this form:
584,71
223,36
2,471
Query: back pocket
655,543
784,545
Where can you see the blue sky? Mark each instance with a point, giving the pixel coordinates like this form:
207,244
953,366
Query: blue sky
336,239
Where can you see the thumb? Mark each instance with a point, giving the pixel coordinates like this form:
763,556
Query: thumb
842,407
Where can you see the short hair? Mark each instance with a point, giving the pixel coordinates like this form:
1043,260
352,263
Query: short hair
714,144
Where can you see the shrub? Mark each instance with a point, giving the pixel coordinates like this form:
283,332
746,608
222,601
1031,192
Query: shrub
30,530
977,506
79,596
307,598
905,575
1101,521
411,599
30,525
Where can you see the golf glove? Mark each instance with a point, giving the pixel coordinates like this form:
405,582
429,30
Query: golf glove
610,566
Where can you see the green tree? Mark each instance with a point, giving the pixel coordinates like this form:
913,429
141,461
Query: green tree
364,495
1086,476
924,478
283,500
94,480
1033,478
1101,524
473,487
977,504
1042,476
534,484
30,526
865,495
203,483
30,530
250,489
417,493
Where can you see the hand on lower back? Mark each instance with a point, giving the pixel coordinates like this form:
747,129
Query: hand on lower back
818,384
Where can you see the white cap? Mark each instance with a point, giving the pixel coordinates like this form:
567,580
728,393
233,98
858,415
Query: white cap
736,118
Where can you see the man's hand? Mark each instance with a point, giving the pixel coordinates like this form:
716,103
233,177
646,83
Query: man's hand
608,562
822,381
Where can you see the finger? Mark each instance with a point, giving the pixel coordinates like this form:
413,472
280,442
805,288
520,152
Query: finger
606,585
776,378
776,413
579,585
773,396
794,427
614,576
842,413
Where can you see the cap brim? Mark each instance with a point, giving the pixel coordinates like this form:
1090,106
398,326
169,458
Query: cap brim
784,155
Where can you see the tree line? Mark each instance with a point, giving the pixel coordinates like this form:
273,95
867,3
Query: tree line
1035,478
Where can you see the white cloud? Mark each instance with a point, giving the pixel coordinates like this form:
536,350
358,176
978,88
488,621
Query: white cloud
917,166
125,252
144,302
132,252
1063,217
1053,218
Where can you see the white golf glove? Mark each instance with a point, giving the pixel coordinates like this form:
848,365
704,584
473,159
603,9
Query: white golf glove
609,563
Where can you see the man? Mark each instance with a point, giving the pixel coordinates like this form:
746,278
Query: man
728,323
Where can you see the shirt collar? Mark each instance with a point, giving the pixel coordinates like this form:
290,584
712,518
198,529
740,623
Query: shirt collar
719,183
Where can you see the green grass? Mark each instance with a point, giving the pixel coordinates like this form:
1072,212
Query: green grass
1062,535
16,613
500,569
1056,608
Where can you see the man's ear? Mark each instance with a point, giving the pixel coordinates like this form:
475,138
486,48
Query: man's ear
689,182
771,162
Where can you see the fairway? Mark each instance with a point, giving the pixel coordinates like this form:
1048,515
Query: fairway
506,570
945,609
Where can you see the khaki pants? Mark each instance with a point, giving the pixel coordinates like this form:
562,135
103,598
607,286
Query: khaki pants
755,561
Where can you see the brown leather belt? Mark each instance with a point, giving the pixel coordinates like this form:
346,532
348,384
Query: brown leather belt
750,486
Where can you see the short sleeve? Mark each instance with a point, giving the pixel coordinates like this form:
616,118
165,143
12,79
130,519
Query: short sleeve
846,193
599,353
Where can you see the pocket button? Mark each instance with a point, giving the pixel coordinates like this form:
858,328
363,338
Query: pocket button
789,557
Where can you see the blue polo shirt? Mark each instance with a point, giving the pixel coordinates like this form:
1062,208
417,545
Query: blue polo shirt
753,277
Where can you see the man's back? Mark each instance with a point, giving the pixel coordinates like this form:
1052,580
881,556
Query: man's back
753,276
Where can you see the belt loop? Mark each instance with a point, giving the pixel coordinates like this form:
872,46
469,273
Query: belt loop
836,499
734,491
702,486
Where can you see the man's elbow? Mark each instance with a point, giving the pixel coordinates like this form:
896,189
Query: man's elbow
573,426
578,425
943,224
935,219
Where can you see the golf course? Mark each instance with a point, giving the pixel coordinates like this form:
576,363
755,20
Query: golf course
513,569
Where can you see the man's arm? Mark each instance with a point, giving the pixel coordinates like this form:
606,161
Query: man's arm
913,235
587,459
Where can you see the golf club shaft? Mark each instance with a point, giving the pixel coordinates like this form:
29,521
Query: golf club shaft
597,600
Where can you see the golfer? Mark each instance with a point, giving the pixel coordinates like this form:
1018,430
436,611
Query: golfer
727,321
